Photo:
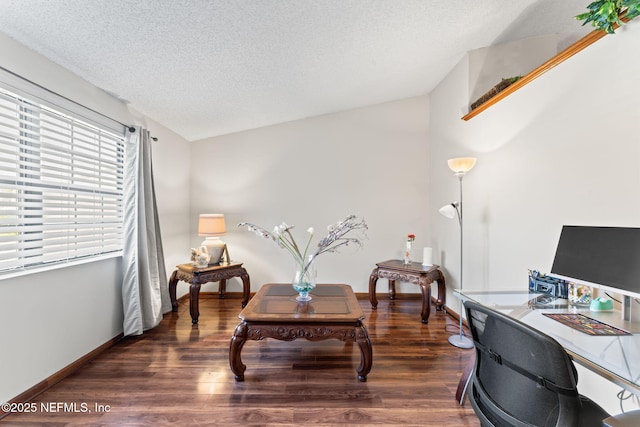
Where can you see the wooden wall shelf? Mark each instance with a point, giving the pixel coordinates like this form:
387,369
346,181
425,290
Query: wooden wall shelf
587,40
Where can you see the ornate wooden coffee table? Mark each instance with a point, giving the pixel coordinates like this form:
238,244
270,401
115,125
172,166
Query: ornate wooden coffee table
273,312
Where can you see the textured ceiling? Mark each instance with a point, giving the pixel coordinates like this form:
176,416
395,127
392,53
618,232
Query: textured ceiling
209,67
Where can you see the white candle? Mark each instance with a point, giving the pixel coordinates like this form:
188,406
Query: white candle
427,256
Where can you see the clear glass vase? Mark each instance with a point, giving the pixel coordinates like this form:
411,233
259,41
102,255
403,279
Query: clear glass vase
407,253
304,280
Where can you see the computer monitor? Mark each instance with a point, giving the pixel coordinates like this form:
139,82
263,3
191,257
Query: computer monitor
604,257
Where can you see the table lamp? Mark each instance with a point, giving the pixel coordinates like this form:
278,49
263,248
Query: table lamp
212,226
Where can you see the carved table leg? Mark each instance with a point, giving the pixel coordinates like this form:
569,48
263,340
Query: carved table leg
237,341
222,288
425,287
246,287
442,291
366,352
373,279
392,289
173,282
194,305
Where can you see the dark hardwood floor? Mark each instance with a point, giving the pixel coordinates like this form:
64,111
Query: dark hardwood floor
179,374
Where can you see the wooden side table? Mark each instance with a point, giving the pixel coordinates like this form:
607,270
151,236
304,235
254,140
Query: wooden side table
213,273
413,273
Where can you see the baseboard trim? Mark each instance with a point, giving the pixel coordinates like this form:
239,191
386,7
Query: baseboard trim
359,295
47,383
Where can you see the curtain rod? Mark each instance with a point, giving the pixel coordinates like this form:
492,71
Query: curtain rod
129,127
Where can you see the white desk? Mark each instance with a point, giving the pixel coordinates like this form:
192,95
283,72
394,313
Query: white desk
616,358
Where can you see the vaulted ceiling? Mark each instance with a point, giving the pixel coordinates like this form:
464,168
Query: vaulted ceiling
210,67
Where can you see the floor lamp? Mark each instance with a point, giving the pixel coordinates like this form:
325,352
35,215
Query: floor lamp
460,166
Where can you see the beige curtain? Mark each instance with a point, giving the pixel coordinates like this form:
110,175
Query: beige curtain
145,294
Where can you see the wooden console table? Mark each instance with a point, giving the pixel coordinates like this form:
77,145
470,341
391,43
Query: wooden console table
412,273
196,276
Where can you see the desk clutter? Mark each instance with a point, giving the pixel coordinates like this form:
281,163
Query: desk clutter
580,295
540,282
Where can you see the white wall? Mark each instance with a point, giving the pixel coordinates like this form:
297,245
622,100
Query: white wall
562,150
51,319
371,162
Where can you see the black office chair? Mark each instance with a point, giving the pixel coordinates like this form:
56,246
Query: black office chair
523,377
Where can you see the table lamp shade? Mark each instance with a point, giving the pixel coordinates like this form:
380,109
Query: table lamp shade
211,225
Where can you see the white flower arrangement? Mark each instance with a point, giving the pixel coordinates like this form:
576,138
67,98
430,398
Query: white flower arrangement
335,238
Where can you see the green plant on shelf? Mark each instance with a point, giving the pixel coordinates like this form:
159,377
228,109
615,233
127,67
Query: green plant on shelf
606,15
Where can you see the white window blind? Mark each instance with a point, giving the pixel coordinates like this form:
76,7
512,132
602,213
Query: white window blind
61,186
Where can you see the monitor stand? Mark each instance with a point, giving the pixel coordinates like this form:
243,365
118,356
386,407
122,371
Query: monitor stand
626,308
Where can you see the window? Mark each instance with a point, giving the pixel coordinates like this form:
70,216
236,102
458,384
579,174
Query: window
61,186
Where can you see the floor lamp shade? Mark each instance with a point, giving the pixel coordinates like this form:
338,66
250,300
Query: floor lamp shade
449,211
212,226
461,164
